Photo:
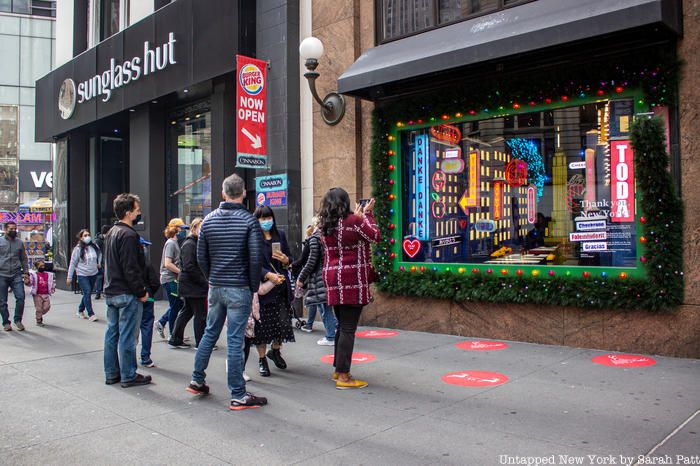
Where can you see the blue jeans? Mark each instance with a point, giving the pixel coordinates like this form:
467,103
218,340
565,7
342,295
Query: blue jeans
17,285
232,305
176,304
87,284
329,321
99,283
123,317
147,331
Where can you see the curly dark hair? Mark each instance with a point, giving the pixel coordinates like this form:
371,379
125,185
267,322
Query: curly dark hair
334,206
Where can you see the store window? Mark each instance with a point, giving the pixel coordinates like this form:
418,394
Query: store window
401,18
59,237
9,136
189,155
551,188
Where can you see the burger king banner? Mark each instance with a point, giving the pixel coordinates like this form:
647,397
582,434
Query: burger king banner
251,143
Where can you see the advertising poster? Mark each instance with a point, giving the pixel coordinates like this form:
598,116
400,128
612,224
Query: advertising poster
271,190
251,103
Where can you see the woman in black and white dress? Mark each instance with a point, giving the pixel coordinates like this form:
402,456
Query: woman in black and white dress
275,324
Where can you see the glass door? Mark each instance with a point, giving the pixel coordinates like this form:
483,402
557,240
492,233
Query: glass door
189,162
108,178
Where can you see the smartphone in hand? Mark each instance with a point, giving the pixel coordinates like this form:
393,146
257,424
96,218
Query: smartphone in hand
363,202
276,247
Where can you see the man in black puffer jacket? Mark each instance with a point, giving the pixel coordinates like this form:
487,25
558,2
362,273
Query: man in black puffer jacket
311,277
229,252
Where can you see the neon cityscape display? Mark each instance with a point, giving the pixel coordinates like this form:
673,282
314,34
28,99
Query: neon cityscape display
555,197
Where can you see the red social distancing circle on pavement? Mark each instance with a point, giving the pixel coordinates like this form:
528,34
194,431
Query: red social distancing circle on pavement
481,345
357,358
376,334
624,360
475,378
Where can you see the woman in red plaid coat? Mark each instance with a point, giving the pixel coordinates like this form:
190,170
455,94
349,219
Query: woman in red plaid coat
347,272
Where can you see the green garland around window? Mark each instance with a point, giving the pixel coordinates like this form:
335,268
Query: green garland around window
662,214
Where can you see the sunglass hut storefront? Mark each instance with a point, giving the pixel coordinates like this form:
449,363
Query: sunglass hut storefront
151,110
527,192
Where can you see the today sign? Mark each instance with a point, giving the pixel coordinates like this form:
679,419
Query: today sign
251,102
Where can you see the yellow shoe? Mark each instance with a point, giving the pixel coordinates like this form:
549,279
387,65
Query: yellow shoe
336,375
354,383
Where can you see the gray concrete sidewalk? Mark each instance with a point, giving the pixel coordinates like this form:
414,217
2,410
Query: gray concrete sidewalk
56,409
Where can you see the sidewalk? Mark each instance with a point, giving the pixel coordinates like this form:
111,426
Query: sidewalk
56,409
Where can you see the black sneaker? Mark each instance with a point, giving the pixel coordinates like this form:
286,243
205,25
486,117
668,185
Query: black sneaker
249,401
276,357
263,368
198,388
181,345
138,380
113,380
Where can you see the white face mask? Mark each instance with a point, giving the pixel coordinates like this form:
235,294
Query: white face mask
87,240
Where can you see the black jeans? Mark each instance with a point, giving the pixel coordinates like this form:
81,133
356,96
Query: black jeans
348,316
248,342
193,307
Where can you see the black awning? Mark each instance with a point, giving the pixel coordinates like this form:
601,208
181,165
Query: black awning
539,25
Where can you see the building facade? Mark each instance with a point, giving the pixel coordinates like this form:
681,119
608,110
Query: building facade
163,126
498,138
27,52
501,138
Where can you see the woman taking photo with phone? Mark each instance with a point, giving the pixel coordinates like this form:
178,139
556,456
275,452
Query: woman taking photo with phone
347,272
275,324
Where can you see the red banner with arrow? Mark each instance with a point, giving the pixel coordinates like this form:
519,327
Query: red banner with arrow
251,113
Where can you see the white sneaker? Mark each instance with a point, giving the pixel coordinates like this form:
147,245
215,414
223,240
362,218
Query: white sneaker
81,315
93,318
246,377
307,329
325,342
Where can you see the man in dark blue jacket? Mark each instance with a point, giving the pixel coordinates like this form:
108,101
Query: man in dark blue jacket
229,252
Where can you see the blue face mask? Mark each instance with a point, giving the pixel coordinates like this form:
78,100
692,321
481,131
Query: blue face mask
181,234
267,225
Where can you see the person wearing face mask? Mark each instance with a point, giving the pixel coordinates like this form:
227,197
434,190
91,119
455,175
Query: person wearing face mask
13,274
275,324
169,272
85,262
43,285
125,292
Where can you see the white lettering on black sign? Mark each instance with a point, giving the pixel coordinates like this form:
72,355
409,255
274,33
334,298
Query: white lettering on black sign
130,70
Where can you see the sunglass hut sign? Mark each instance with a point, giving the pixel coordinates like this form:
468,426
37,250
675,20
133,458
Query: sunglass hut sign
102,85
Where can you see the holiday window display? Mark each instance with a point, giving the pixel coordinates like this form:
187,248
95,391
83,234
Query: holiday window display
554,187
656,283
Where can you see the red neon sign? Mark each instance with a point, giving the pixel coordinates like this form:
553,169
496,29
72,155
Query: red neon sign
516,173
622,192
497,200
446,133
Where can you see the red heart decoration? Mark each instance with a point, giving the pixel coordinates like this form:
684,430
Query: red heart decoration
411,247
463,223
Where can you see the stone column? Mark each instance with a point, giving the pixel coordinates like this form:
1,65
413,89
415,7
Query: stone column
689,96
